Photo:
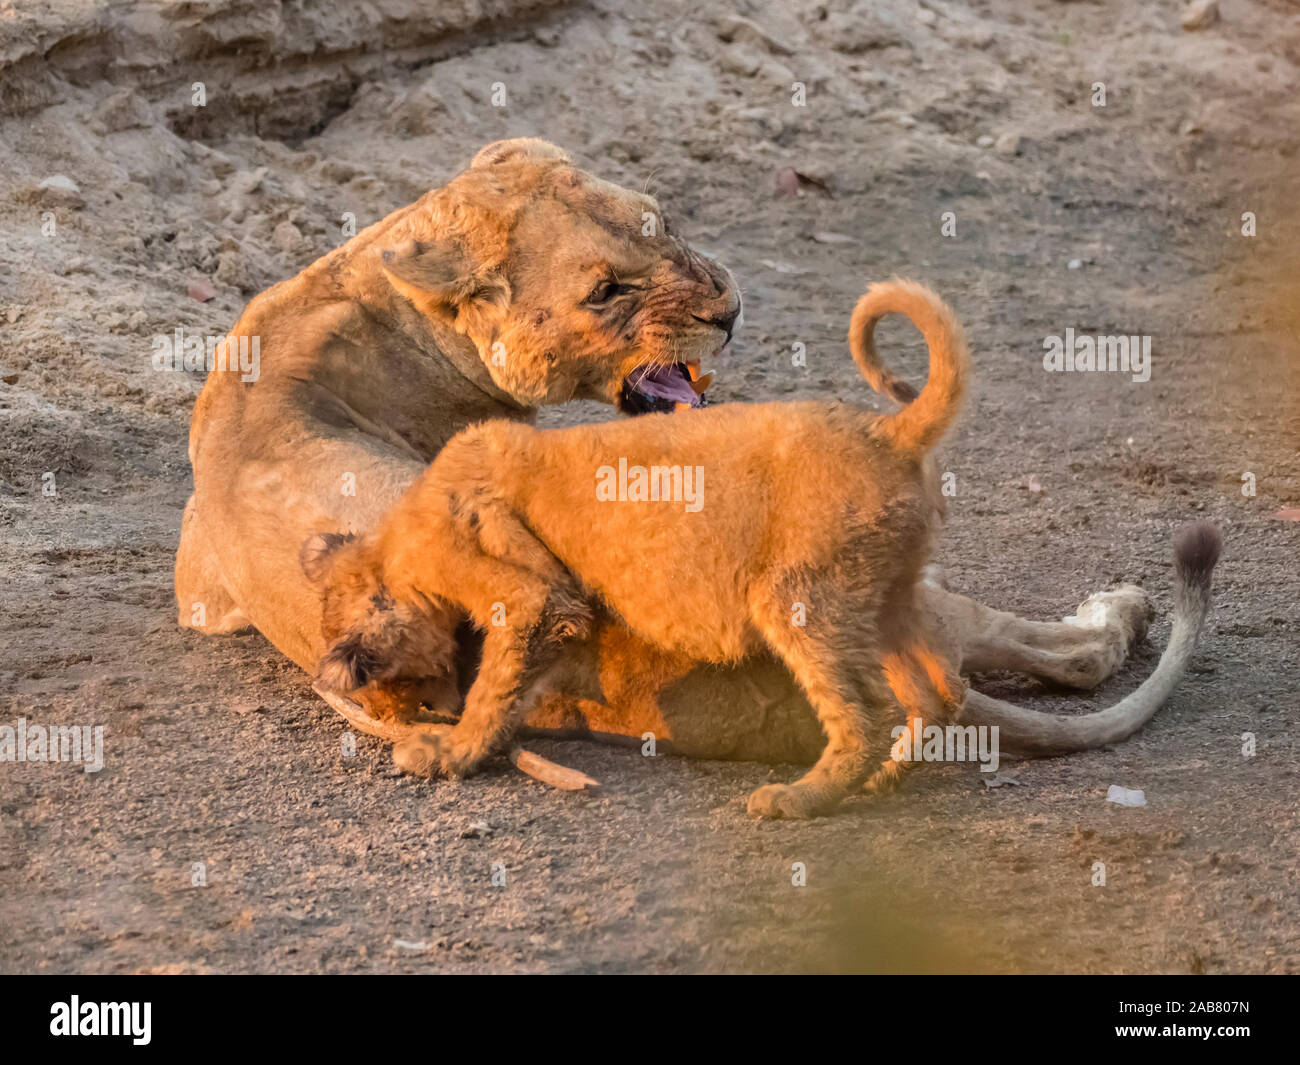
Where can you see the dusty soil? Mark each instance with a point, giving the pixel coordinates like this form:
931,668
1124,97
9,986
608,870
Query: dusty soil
216,751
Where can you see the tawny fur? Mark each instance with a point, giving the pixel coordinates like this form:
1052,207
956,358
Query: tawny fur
814,523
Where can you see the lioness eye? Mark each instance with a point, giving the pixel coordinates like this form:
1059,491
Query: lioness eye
604,292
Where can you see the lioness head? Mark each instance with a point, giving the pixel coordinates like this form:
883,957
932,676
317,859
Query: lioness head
570,287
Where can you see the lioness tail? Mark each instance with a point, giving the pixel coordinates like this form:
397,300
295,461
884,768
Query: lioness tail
1033,734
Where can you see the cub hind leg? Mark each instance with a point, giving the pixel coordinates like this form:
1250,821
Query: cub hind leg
833,657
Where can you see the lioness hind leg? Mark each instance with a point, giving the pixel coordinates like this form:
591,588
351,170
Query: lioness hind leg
1078,652
202,601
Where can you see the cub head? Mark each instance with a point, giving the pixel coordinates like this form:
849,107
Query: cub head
372,636
569,287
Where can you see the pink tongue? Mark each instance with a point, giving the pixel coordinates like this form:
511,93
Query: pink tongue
666,382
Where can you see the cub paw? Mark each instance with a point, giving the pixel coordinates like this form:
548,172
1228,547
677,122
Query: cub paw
424,754
782,802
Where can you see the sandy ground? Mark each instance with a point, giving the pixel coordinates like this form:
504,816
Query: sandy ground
228,831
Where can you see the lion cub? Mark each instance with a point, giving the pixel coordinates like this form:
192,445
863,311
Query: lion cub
800,528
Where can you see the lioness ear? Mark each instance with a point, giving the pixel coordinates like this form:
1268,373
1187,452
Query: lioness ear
439,278
317,553
516,149
347,665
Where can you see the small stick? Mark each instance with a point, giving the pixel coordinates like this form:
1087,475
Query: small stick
548,772
533,765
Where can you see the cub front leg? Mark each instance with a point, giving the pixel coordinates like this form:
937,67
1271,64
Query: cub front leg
516,663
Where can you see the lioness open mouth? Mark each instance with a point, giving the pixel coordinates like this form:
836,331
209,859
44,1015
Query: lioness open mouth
664,387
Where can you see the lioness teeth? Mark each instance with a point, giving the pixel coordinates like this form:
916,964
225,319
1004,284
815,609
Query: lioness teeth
699,383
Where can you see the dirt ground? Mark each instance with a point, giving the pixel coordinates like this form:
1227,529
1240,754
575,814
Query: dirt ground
229,832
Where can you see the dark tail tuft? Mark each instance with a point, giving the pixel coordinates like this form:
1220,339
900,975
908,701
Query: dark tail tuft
1196,551
902,392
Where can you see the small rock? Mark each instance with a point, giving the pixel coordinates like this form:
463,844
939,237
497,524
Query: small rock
984,141
1074,264
791,182
1034,484
61,183
201,290
1200,13
738,59
864,29
286,237
10,378
123,110
411,945
13,314
926,17
1008,144
1126,796
232,271
833,238
747,31
60,189
478,830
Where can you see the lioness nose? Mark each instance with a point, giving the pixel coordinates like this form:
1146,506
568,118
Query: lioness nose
723,321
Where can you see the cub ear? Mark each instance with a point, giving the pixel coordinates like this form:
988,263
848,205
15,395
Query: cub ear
441,278
317,553
347,665
519,149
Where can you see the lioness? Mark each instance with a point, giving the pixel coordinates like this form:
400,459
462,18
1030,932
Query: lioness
523,281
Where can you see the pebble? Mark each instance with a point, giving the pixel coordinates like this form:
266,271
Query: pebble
1200,13
60,189
1008,144
287,237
